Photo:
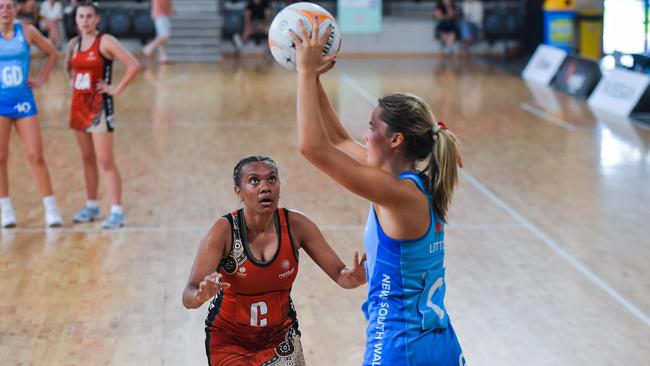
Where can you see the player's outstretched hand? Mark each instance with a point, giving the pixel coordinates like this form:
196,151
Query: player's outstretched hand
210,286
356,276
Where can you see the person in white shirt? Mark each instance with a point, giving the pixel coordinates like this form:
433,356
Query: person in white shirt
51,14
470,25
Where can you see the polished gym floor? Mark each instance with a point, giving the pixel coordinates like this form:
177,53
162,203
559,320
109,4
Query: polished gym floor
548,243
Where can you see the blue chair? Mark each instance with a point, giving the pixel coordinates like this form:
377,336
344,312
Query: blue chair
119,23
233,22
143,26
105,15
69,25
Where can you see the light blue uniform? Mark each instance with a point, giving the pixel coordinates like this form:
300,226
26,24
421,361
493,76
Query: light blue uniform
408,324
16,98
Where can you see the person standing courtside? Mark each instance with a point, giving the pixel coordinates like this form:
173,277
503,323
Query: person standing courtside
51,13
161,11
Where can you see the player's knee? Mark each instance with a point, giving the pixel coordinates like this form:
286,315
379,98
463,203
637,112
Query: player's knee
35,158
107,164
88,158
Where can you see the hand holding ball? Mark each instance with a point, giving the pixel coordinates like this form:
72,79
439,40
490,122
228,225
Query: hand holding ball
281,44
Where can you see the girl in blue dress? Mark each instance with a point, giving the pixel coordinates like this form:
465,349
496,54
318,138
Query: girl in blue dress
18,108
408,323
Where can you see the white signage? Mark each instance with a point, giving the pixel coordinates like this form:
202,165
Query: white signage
619,91
544,64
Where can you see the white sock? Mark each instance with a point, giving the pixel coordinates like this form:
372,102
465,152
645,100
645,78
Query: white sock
117,209
49,202
5,204
92,204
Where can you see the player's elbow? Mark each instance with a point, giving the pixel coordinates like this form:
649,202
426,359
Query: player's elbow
312,155
136,67
187,300
305,150
313,152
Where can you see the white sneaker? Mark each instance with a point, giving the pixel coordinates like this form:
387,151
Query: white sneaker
53,218
8,218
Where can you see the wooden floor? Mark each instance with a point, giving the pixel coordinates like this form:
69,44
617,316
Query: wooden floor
547,248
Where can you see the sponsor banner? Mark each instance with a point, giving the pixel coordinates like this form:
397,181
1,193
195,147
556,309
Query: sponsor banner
577,76
619,91
544,64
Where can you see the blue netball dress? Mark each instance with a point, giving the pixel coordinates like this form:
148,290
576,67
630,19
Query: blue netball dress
408,324
16,98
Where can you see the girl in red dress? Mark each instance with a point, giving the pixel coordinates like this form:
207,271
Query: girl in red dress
89,65
247,264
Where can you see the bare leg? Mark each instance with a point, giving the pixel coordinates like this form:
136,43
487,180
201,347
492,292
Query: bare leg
248,32
5,132
162,51
30,132
89,160
103,143
53,31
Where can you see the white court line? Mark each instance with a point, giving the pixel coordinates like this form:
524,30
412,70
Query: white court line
174,124
557,248
552,244
542,114
201,229
359,89
463,227
97,230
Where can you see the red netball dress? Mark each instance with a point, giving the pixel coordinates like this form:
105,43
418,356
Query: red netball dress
254,321
91,111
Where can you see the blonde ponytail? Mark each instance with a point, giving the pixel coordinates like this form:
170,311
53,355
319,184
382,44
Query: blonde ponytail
426,140
442,171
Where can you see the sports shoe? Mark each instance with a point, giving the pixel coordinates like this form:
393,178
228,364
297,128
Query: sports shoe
87,214
114,221
8,219
53,218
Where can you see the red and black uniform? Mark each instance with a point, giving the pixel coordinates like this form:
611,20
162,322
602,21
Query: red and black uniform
90,110
254,321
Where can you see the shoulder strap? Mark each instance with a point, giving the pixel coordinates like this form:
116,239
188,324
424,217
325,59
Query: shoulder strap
98,44
416,179
19,28
237,255
284,214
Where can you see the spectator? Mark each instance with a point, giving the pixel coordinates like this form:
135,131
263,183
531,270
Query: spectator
51,13
27,12
470,25
161,10
447,14
257,19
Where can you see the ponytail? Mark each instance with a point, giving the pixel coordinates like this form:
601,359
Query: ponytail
442,171
425,140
